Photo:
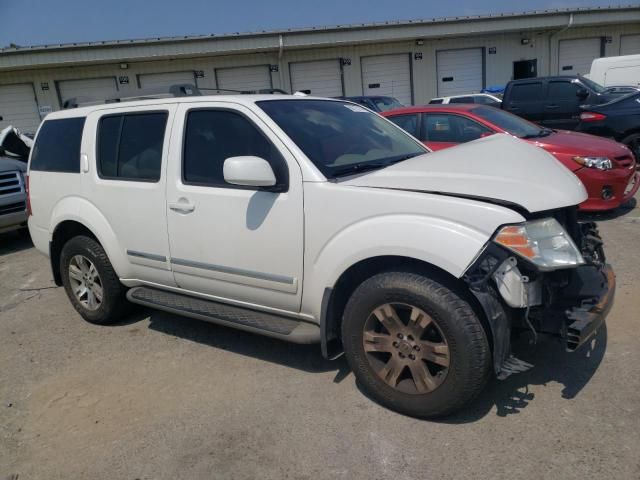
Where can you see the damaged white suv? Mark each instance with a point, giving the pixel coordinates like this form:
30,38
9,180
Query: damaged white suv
317,221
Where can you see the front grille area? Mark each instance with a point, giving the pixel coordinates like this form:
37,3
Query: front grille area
13,208
10,182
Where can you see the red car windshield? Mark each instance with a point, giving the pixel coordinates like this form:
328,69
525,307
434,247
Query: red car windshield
510,123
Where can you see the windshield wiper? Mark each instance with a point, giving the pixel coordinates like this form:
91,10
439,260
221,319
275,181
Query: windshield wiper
367,166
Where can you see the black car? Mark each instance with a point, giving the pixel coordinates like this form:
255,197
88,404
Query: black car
376,103
554,102
618,119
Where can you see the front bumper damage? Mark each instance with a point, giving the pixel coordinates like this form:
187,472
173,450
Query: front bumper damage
571,303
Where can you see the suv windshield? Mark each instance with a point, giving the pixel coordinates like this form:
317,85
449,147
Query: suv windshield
596,87
510,123
341,138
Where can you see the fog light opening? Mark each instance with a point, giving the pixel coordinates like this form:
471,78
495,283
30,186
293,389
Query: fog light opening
607,192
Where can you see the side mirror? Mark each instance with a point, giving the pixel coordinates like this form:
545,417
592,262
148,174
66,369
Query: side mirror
582,93
248,171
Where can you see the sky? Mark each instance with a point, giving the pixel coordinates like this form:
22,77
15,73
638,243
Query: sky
37,22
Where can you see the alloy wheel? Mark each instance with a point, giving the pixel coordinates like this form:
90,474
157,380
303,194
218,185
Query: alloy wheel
85,282
406,348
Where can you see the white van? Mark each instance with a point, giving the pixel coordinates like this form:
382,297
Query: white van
616,71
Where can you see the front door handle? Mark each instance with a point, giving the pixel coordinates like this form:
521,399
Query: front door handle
182,206
552,106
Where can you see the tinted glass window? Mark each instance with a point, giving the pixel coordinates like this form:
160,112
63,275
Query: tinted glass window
450,128
436,101
212,136
408,123
462,100
486,100
130,146
340,138
57,148
508,122
386,103
563,90
524,92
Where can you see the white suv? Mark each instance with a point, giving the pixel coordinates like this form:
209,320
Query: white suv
316,220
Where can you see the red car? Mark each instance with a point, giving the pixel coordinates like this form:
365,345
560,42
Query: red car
606,168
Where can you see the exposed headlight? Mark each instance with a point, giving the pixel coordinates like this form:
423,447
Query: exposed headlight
543,242
601,163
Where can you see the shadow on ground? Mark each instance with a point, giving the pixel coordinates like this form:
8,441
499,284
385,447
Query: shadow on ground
12,242
551,362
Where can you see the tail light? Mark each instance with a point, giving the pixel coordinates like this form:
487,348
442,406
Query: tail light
26,184
592,117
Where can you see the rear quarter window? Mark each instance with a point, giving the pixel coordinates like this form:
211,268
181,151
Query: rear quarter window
57,147
526,92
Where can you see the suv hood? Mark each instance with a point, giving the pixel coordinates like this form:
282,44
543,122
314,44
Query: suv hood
499,168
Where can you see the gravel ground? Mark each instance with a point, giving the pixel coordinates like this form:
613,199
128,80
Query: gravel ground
159,396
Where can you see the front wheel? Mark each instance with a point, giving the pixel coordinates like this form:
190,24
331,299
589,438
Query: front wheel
91,283
414,345
633,142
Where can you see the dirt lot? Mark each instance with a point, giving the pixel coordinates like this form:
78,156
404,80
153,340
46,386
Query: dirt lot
159,396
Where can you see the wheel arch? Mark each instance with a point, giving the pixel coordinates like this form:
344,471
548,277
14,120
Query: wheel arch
335,298
74,216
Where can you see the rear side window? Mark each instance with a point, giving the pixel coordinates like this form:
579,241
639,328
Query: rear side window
525,92
212,136
436,101
462,100
57,148
130,146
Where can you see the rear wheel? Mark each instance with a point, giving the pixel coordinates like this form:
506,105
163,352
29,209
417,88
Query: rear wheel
414,345
91,283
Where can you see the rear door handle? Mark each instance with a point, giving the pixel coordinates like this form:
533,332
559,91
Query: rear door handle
182,206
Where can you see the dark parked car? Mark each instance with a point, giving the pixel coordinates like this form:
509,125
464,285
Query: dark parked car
554,102
618,119
376,103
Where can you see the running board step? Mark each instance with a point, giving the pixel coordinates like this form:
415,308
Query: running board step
263,323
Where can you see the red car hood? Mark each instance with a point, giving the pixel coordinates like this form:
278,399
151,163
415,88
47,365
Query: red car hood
574,143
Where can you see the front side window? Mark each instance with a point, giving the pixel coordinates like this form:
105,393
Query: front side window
130,146
212,136
451,129
341,138
57,147
563,90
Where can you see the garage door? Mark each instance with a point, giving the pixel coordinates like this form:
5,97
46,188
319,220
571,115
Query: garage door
575,56
459,71
162,81
18,107
387,75
93,88
322,79
629,44
244,78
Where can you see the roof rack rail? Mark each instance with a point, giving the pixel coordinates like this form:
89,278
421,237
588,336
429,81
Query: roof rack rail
260,91
178,90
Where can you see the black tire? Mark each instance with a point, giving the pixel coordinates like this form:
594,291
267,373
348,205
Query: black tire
633,142
469,355
114,304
